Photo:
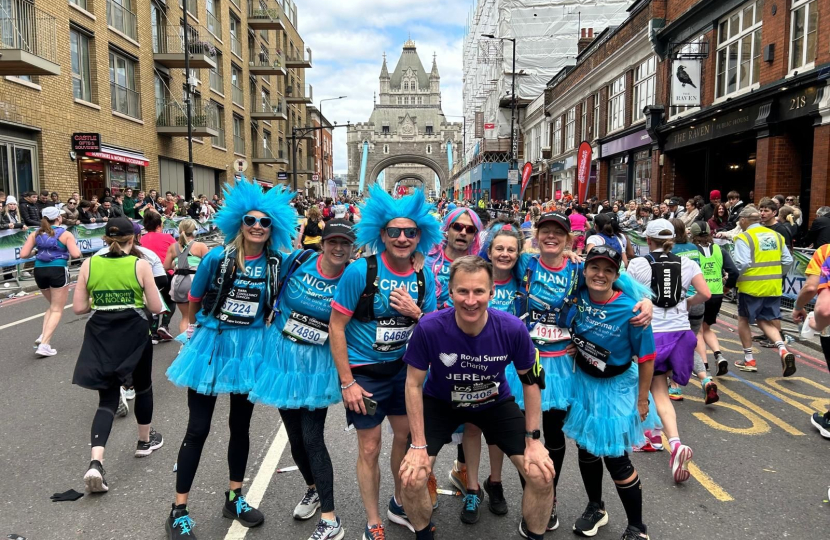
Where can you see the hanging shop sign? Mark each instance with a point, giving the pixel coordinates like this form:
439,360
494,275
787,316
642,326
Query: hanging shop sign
86,142
685,83
712,128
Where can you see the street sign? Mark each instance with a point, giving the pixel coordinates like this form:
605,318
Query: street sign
489,126
86,142
240,165
513,177
282,176
309,183
315,177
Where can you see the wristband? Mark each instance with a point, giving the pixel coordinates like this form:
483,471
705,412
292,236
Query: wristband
412,446
348,385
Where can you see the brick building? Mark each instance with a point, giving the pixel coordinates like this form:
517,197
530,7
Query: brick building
322,149
120,75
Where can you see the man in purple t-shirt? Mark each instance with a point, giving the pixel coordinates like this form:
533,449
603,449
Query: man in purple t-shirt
466,349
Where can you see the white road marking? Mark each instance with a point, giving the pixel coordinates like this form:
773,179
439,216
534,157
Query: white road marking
261,480
27,319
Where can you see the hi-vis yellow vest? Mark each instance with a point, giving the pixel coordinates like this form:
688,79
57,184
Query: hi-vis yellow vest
764,275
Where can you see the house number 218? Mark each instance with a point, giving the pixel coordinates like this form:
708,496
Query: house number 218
798,102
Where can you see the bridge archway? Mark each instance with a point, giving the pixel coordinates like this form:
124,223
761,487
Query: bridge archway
406,159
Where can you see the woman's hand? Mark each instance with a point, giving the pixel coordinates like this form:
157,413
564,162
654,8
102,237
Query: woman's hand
646,309
642,408
418,259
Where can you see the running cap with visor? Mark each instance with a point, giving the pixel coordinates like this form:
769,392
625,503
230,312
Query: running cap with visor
120,226
700,228
339,228
51,213
554,217
656,227
604,252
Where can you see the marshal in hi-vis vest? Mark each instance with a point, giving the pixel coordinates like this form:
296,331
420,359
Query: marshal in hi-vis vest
712,268
763,277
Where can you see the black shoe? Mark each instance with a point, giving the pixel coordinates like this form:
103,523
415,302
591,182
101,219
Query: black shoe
495,495
822,424
236,507
591,520
471,510
179,524
633,533
156,441
95,478
523,530
553,522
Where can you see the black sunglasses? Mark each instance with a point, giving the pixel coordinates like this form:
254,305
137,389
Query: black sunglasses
250,221
395,232
458,227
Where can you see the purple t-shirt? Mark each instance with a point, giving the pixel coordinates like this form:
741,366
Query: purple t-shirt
468,371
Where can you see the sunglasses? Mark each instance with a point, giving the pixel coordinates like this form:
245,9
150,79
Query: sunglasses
790,199
606,251
395,232
250,221
458,227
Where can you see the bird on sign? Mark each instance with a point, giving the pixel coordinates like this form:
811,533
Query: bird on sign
683,77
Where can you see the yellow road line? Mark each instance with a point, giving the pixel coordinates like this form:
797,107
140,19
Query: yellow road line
704,479
777,394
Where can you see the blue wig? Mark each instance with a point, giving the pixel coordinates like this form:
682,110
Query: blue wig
244,196
380,208
633,288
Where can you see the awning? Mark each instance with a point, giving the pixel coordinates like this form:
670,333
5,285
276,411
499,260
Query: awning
121,156
265,183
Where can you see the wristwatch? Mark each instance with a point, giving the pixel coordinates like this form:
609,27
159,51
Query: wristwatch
536,434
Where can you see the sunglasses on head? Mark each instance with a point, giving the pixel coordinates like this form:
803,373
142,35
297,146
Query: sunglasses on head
458,227
395,232
250,221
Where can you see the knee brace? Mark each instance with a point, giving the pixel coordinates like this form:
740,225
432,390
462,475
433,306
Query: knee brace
586,457
619,468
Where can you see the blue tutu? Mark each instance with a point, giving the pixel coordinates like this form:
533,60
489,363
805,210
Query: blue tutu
213,362
294,376
603,418
559,379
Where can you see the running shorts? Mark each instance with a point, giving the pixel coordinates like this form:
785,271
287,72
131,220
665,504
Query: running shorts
387,384
712,309
763,308
51,277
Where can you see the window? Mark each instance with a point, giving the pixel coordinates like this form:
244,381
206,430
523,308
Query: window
160,93
384,130
570,128
266,144
237,96
80,3
79,51
616,104
645,76
121,17
595,127
385,148
617,179
557,136
214,22
739,50
236,43
406,85
803,33
157,22
219,140
537,139
238,137
217,76
399,100
429,149
420,100
584,123
265,97
123,91
429,130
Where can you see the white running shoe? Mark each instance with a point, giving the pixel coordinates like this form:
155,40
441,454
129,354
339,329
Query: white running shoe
308,506
45,350
130,393
123,409
680,459
39,339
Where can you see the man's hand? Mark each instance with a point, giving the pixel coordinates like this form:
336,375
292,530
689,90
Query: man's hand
646,309
353,398
415,467
536,455
400,301
799,315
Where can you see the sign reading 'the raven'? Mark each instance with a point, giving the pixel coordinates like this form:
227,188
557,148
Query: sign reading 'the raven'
685,83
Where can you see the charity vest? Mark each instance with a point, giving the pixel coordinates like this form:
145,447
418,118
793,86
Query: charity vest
712,268
763,277
113,284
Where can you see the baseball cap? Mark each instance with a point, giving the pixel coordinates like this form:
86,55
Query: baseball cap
120,227
51,213
675,201
604,252
714,194
136,228
339,228
554,217
699,228
654,228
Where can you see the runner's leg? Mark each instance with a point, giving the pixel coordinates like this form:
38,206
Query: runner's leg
400,444
198,428
471,443
239,422
368,471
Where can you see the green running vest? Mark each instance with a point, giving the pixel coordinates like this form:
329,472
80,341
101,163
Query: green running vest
712,268
113,284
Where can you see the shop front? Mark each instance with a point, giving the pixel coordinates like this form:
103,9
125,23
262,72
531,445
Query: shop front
18,159
102,168
628,161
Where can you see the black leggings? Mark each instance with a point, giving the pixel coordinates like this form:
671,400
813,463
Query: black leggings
552,422
109,397
825,348
306,430
198,427
163,284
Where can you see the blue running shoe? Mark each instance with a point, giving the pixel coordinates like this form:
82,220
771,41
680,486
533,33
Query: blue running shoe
396,514
375,532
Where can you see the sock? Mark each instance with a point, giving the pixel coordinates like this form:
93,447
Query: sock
781,346
181,507
631,495
718,354
460,457
332,522
534,536
748,354
591,472
674,442
425,533
827,415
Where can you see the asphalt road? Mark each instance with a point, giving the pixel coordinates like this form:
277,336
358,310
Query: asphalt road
760,467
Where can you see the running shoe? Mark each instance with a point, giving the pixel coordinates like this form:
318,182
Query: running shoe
675,393
822,424
432,486
130,393
236,507
634,533
710,391
95,479
327,531
656,439
495,497
471,510
156,441
646,447
681,456
787,363
553,522
308,506
123,409
523,530
45,350
38,340
459,478
723,366
591,520
164,334
179,524
375,532
396,514
746,365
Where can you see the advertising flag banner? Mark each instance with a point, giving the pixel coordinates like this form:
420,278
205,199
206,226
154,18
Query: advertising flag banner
583,169
527,170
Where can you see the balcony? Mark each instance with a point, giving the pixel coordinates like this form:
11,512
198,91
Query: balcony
28,40
122,19
266,62
302,94
125,100
239,144
299,59
271,109
217,82
214,25
236,45
172,118
264,155
237,95
265,15
170,51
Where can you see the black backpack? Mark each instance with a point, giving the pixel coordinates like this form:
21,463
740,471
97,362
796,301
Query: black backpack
666,279
365,310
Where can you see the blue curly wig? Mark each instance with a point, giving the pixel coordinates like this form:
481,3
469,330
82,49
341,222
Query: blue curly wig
243,197
380,208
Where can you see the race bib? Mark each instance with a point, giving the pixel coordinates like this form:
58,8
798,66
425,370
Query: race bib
592,354
392,333
546,330
241,306
305,329
474,395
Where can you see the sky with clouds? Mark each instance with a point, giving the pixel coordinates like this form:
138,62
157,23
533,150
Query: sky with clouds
348,39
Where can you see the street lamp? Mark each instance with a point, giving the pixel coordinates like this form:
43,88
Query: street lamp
322,162
512,99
